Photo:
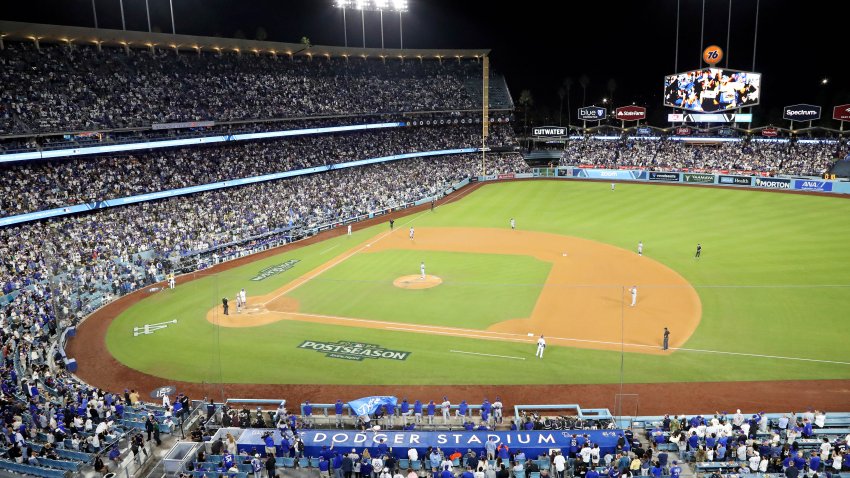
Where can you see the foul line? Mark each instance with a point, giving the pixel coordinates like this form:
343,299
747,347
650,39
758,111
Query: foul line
304,279
488,355
514,337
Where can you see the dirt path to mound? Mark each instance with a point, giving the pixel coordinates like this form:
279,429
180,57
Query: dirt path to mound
98,368
584,303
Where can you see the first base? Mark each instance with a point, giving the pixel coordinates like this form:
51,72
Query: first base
530,334
564,254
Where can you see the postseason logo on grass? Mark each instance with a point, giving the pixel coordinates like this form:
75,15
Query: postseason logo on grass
275,270
353,350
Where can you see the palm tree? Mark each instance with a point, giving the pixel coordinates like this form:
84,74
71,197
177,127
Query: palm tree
561,94
584,81
568,86
526,101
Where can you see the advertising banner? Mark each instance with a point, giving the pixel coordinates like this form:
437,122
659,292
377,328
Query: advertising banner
772,183
770,132
710,118
549,131
659,176
736,180
506,176
592,113
532,442
812,185
698,178
606,174
802,112
841,113
630,113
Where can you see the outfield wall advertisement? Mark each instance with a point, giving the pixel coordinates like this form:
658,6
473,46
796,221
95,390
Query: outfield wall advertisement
532,442
772,183
812,185
624,174
698,178
662,176
735,180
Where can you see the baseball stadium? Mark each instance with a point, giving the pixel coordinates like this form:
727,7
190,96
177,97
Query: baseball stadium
226,257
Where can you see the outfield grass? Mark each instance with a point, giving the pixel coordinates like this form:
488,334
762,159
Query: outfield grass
773,280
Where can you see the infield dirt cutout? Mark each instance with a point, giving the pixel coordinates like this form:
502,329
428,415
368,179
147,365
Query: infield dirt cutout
585,301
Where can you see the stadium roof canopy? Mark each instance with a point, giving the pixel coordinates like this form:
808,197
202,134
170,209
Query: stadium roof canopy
135,39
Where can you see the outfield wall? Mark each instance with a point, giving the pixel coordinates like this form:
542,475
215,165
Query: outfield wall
693,178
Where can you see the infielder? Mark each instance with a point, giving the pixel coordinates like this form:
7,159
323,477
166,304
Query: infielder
640,248
513,224
422,269
411,233
633,290
243,297
238,302
541,344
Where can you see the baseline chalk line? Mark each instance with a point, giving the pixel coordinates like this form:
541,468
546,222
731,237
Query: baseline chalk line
487,355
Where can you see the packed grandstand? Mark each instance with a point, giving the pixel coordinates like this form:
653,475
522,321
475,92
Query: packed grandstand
55,271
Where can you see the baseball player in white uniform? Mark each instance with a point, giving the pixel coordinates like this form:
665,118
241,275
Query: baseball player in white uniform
612,186
422,269
633,290
447,409
541,344
513,224
171,282
411,233
640,248
349,229
238,302
243,297
497,410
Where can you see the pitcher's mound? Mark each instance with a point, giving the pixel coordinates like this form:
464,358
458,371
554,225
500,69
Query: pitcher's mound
417,282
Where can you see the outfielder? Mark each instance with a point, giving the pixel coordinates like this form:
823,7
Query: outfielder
633,290
171,280
513,224
640,248
349,229
422,269
541,344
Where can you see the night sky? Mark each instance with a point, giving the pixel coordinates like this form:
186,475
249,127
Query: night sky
539,44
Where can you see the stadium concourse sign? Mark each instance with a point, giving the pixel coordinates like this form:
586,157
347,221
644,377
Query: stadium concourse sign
630,113
353,350
710,118
841,113
802,112
549,131
702,178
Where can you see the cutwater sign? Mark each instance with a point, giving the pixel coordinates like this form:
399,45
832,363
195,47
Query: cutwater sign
549,131
275,270
353,350
529,441
812,185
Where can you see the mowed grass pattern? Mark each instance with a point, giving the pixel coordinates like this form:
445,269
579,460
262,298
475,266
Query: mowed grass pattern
479,289
773,280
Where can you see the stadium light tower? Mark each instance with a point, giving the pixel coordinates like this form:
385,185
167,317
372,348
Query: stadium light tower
343,4
379,6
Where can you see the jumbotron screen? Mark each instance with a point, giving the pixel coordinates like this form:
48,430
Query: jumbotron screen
712,89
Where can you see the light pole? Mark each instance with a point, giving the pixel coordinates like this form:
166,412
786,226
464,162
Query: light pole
342,5
171,7
400,6
123,25
379,6
94,13
148,12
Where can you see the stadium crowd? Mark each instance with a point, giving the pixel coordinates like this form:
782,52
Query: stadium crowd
746,156
36,185
62,88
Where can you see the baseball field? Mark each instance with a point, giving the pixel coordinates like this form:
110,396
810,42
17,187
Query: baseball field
766,301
